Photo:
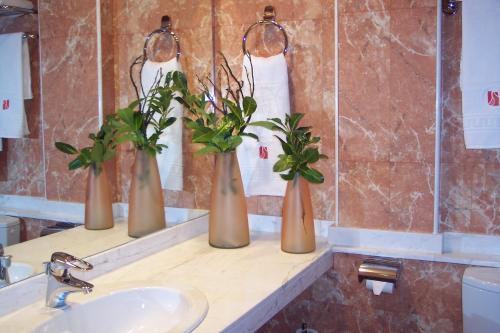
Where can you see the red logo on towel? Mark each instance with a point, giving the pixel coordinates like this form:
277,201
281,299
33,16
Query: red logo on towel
493,98
263,153
5,104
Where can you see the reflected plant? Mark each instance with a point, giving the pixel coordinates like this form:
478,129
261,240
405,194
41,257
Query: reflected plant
145,119
103,147
299,150
219,122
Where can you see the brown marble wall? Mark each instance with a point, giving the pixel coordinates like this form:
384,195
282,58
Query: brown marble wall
386,114
310,29
69,89
427,300
64,72
470,179
21,165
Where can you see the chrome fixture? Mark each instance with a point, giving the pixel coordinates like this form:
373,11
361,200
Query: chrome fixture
5,261
269,18
165,28
379,269
60,282
450,7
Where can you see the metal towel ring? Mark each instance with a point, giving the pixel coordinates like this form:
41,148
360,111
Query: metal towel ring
269,18
165,29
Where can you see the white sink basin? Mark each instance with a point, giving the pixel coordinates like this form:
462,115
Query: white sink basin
116,309
19,271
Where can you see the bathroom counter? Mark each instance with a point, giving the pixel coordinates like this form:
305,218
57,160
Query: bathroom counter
78,241
245,287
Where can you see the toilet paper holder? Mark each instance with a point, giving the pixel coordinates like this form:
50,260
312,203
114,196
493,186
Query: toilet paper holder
379,269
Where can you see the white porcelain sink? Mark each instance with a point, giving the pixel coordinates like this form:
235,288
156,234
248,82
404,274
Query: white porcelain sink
116,309
19,271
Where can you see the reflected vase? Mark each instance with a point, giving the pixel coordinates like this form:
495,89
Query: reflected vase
98,200
146,212
228,220
297,227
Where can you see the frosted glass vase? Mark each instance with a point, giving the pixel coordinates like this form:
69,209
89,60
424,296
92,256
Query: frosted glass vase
228,221
297,227
98,200
146,213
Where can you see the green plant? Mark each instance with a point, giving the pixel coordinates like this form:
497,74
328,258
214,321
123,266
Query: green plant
103,147
220,127
299,150
145,119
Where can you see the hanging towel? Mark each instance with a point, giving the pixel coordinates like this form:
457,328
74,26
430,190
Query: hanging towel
480,73
257,158
15,85
170,159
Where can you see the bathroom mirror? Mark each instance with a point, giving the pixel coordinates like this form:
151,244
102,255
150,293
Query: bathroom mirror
79,60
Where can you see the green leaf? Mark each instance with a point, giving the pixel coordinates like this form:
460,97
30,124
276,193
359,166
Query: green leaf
287,149
203,137
284,163
179,80
97,152
66,148
75,164
323,157
311,155
294,120
312,175
207,150
266,124
251,135
288,176
169,122
234,141
249,105
127,116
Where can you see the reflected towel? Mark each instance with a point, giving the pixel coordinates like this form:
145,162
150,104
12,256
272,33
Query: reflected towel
257,158
170,159
480,73
15,85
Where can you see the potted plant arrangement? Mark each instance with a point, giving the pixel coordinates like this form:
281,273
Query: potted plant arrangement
98,200
220,127
299,152
142,123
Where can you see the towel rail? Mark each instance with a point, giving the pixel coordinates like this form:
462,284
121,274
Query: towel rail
165,28
269,18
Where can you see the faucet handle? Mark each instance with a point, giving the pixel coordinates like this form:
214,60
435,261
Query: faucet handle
60,261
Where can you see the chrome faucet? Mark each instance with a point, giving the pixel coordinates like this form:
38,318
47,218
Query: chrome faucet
5,261
60,282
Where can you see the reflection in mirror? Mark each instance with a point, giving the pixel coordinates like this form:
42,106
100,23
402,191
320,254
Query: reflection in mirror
79,75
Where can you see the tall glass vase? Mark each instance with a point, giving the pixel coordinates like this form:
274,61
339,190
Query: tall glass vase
297,227
98,201
228,221
146,212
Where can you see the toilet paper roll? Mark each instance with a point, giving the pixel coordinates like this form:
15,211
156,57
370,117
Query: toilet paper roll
379,287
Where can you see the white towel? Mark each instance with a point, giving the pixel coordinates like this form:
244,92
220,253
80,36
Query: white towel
272,96
170,160
15,85
480,73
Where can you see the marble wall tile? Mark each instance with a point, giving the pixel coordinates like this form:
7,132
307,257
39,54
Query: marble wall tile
21,164
386,116
427,299
470,178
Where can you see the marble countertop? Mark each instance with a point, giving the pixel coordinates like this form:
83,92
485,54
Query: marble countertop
78,241
244,287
